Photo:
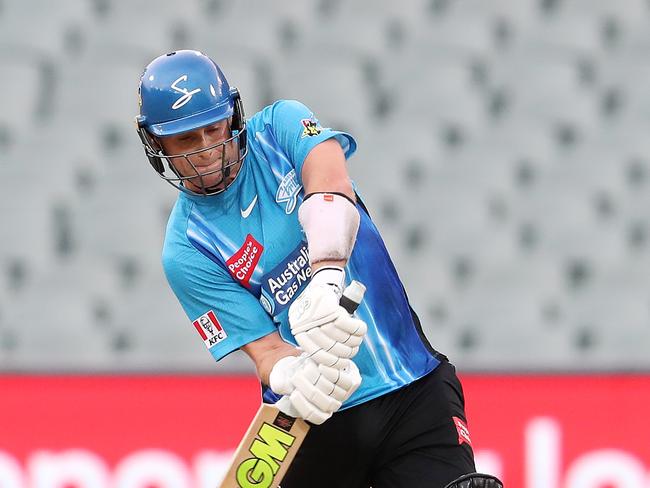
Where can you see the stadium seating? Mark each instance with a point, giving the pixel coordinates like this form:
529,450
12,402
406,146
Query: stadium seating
503,154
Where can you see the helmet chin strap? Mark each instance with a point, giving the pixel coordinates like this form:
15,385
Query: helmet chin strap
225,174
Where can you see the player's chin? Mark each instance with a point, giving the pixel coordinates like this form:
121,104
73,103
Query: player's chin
212,182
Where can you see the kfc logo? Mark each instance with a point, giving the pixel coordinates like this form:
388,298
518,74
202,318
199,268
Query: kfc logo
210,329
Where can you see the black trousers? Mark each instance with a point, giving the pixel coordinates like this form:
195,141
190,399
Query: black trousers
408,438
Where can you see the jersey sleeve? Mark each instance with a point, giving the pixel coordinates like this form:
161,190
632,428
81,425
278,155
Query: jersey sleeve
225,315
298,131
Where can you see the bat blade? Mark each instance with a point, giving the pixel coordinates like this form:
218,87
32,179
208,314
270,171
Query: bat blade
266,451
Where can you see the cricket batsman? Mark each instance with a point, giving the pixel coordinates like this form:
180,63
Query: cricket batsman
267,231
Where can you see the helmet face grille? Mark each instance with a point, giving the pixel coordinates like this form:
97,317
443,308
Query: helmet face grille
164,163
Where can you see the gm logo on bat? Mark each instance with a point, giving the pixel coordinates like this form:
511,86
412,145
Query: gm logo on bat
269,449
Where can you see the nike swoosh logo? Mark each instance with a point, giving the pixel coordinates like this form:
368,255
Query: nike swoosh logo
247,212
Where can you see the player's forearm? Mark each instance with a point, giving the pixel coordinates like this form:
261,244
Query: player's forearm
267,351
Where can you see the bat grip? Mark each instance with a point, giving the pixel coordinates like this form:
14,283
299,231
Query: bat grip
352,296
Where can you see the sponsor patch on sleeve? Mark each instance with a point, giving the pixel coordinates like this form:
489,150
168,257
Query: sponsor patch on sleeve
311,127
210,329
463,431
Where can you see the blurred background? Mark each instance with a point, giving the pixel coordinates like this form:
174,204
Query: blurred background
504,154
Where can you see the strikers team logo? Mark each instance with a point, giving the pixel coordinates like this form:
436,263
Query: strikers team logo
241,265
311,127
186,95
210,329
463,431
288,191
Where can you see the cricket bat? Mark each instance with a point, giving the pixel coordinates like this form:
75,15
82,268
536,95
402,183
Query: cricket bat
273,438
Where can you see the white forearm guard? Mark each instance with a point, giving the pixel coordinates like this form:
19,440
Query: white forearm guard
330,222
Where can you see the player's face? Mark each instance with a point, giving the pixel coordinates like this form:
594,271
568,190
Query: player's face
200,153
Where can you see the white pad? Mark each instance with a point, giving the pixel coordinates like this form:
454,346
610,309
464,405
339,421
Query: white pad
331,223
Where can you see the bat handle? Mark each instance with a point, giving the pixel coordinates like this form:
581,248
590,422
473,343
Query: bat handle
352,296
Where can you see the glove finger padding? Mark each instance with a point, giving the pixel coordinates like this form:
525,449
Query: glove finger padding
307,410
319,398
332,374
336,334
351,325
312,375
321,356
309,371
340,394
327,343
332,331
328,359
315,339
350,379
310,400
312,391
345,381
343,351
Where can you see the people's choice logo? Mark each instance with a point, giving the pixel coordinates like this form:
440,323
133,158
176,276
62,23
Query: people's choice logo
187,95
242,264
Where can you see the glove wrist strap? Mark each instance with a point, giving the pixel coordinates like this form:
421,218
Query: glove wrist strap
330,275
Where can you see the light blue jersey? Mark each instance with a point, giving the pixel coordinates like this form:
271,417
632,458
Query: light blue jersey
236,260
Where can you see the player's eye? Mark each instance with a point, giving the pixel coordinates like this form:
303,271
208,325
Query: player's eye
186,139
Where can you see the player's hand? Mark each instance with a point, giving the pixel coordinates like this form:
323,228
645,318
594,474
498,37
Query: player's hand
312,391
323,328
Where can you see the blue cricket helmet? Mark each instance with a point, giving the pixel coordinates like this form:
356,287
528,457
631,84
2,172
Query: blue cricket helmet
182,91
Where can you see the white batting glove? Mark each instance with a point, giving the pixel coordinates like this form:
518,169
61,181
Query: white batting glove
312,391
322,328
